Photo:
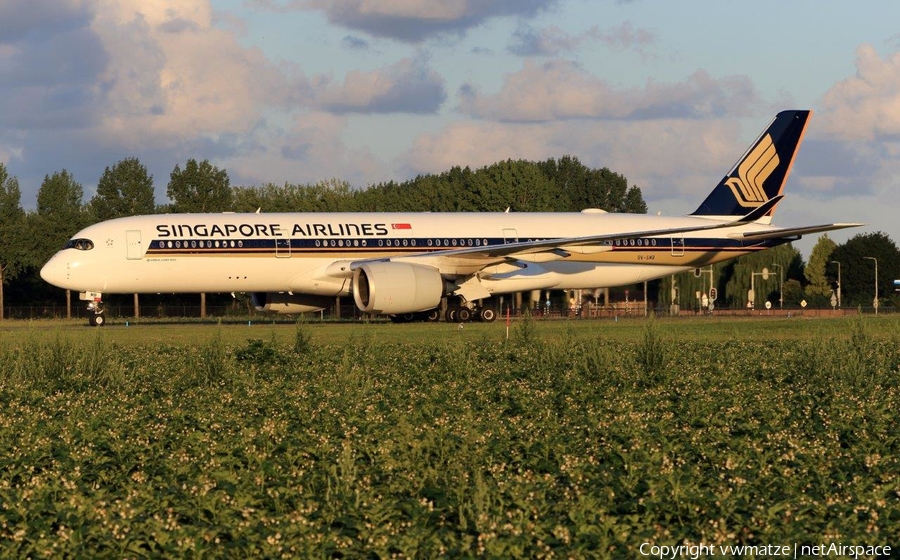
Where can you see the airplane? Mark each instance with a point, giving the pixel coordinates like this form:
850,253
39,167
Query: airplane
404,264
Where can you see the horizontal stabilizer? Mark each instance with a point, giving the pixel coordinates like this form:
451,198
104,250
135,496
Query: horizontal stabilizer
762,209
790,232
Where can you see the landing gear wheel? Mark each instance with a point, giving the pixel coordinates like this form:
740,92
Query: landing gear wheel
463,314
433,315
450,315
487,315
97,320
404,318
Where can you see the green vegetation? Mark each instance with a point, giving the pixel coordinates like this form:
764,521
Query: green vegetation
581,438
29,239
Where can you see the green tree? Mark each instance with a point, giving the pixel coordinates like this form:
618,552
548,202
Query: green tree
331,195
858,271
12,226
12,231
527,188
732,279
634,201
126,189
60,214
524,186
199,187
818,290
793,292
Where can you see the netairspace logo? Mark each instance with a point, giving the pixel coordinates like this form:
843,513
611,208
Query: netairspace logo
696,551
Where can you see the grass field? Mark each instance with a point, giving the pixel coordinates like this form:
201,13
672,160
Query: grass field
572,438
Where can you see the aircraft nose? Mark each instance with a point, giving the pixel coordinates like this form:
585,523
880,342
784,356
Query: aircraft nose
55,271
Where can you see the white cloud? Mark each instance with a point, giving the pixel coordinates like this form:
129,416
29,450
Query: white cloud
553,41
865,106
850,163
408,85
312,149
161,81
561,89
412,21
684,157
173,75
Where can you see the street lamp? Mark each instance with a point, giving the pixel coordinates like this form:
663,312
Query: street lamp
839,283
698,273
780,285
875,302
752,294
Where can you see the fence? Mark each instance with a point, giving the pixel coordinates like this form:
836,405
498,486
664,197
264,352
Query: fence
351,312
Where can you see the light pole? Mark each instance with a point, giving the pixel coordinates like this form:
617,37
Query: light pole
698,273
875,302
839,283
780,285
752,294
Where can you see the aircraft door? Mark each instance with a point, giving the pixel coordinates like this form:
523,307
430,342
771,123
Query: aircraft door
282,248
510,235
678,246
134,249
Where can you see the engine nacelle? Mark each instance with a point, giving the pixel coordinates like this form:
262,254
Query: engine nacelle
286,304
396,287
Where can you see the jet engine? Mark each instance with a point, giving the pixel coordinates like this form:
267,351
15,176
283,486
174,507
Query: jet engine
396,287
289,304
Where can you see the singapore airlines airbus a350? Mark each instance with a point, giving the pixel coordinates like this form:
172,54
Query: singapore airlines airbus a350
404,264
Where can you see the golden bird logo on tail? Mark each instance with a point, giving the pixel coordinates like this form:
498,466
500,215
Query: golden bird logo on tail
752,174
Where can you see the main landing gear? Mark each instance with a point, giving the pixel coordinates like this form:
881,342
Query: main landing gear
463,314
429,316
456,312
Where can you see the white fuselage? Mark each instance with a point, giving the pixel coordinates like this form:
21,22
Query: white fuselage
301,252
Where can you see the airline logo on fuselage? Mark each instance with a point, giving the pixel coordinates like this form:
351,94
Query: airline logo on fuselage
343,229
749,186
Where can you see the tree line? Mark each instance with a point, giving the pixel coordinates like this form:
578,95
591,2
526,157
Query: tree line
29,238
791,281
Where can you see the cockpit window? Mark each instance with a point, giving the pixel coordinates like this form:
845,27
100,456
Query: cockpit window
80,244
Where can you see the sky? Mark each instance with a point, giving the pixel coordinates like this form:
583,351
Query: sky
669,94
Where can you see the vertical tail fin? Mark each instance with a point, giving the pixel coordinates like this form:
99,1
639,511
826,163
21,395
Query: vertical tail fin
762,171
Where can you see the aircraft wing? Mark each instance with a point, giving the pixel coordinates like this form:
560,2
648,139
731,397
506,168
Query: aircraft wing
466,260
780,233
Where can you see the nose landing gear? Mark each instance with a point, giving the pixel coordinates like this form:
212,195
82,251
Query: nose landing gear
97,319
96,313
